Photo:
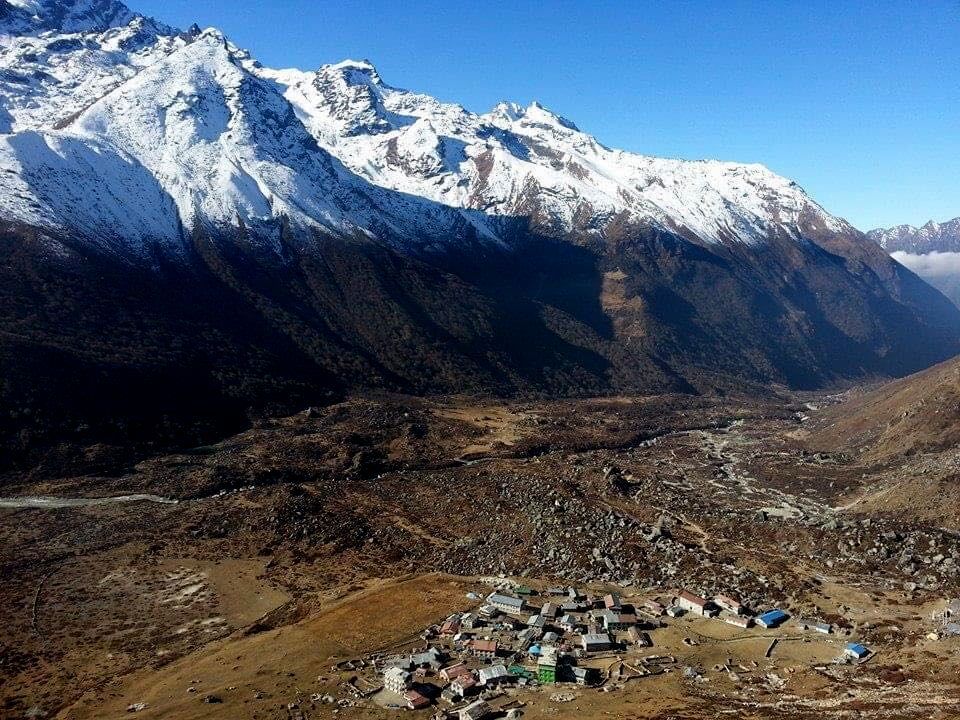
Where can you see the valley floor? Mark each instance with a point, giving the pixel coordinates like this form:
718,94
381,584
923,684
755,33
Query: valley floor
347,530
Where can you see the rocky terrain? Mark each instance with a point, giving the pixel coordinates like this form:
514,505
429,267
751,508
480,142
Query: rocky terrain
720,496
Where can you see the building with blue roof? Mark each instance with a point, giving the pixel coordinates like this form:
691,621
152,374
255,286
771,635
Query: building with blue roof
856,651
772,618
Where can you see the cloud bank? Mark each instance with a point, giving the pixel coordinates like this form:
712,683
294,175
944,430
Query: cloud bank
935,264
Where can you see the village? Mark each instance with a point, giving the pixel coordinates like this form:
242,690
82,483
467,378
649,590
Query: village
516,641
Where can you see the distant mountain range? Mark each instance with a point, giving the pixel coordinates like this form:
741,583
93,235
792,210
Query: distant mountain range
932,237
188,237
932,251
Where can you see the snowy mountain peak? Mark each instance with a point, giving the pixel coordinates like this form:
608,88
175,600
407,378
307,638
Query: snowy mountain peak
531,162
532,115
350,94
355,72
537,113
505,111
196,138
213,36
67,16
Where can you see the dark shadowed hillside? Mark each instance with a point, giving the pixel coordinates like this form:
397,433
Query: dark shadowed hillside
99,350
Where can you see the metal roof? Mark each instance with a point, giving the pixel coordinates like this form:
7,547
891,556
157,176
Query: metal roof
492,673
595,638
507,600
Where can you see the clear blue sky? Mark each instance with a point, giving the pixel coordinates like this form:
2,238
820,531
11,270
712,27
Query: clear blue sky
859,102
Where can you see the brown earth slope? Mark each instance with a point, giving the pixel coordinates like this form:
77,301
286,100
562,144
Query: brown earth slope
904,439
917,414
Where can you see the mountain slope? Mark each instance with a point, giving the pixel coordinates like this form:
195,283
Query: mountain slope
66,16
58,56
196,138
904,439
201,239
920,413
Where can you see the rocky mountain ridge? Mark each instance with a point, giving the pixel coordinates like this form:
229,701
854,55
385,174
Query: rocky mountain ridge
932,251
530,162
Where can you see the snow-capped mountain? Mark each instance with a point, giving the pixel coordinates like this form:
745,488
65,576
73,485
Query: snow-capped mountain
530,162
932,237
186,108
191,137
57,57
187,237
79,16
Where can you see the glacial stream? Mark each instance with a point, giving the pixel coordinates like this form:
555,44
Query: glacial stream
52,503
